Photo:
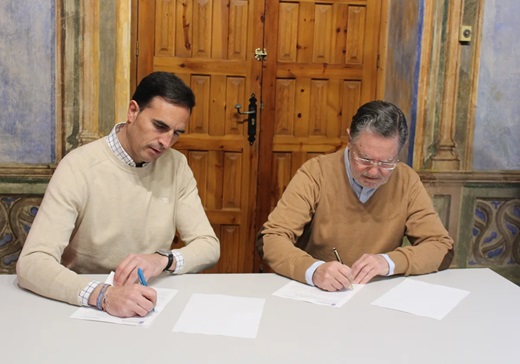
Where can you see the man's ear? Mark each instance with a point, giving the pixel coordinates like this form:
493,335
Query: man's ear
133,111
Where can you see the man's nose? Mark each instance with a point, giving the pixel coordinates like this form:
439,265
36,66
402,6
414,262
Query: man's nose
373,170
168,138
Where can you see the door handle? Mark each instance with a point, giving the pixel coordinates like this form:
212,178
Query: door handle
251,118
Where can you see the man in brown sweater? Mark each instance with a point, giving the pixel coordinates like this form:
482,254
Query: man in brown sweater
360,201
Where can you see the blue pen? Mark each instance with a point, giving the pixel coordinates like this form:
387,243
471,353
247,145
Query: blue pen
142,279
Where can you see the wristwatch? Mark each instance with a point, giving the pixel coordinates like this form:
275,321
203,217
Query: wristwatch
166,253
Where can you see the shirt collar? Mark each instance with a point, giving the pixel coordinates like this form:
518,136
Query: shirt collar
117,148
361,192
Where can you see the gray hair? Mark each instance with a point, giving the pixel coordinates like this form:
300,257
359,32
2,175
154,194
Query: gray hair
382,118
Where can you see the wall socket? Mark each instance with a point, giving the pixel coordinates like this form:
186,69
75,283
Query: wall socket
465,33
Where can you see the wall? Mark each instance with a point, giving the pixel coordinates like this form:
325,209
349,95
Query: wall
402,66
497,119
27,76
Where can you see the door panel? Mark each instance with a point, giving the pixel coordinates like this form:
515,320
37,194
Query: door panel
321,66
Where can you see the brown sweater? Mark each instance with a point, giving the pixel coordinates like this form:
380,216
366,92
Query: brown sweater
319,211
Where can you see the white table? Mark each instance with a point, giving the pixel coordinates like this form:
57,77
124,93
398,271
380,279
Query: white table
483,328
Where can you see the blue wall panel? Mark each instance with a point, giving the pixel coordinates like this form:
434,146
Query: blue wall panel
27,82
497,120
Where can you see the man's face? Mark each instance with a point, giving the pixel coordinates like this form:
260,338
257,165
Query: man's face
154,129
371,157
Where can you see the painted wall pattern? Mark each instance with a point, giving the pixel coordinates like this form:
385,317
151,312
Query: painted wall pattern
496,233
27,73
16,216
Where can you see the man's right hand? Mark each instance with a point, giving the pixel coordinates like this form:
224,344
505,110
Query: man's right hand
127,301
332,276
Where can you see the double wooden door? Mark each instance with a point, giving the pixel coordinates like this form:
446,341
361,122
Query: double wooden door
309,64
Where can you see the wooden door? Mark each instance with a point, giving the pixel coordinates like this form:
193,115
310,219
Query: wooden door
208,44
320,66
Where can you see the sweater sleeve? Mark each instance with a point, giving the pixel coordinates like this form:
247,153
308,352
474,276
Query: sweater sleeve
286,224
202,248
431,246
39,267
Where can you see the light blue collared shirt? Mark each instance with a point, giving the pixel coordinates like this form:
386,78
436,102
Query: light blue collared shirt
363,195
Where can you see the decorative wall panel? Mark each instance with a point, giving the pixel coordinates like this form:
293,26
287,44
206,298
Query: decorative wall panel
16,216
495,233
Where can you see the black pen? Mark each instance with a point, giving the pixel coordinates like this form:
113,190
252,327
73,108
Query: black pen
338,258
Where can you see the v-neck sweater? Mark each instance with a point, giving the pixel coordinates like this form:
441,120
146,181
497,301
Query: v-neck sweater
319,211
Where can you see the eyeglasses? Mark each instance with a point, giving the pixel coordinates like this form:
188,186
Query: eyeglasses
365,162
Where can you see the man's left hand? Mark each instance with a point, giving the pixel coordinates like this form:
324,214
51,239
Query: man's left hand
151,264
369,266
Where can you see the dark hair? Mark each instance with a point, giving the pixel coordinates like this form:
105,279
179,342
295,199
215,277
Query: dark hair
382,118
165,85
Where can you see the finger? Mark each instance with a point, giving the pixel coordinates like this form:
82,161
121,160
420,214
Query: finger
365,274
141,309
126,271
346,277
336,285
339,279
359,264
150,294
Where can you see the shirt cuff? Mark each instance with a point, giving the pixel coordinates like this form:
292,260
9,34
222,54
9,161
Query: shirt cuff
310,272
179,261
391,264
85,293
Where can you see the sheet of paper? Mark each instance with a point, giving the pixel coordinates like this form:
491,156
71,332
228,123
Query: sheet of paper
164,295
422,299
304,292
214,314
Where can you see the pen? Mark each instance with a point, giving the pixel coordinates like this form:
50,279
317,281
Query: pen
142,279
338,258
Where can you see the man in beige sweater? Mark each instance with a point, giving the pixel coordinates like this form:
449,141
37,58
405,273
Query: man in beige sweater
116,204
361,202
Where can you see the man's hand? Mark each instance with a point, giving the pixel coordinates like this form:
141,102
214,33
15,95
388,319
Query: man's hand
126,301
332,276
151,264
369,266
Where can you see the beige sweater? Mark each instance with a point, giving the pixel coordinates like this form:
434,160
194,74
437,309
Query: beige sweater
97,210
320,205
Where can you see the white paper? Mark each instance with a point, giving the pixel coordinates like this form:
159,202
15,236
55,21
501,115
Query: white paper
304,292
422,299
164,295
215,314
